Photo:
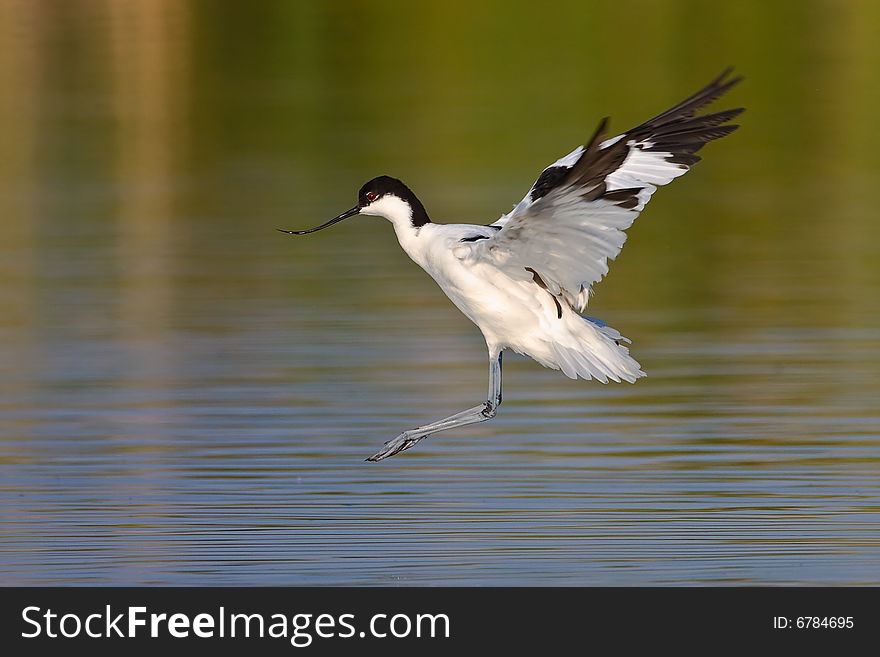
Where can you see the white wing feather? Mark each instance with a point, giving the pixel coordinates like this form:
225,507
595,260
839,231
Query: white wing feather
574,218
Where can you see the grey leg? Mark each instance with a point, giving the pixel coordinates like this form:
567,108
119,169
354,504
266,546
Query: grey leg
481,413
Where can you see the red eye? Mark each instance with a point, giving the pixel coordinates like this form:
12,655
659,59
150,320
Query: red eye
371,196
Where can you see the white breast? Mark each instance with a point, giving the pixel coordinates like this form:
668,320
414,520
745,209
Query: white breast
505,310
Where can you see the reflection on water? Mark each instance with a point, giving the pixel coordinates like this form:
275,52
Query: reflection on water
186,396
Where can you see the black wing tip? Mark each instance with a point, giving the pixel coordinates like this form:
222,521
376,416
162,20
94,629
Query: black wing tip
727,72
600,131
688,107
677,130
722,84
718,87
681,131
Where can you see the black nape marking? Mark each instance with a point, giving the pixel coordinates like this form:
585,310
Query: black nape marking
540,281
383,185
474,238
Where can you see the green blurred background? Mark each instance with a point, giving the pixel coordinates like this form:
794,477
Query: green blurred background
186,126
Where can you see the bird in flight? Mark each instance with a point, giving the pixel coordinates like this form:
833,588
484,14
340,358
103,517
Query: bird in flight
525,279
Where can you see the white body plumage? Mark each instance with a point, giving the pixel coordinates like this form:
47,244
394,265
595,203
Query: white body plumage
513,313
525,279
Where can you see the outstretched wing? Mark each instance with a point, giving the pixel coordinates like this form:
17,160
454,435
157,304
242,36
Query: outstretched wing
574,217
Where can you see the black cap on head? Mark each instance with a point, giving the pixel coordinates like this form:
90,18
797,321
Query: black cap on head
378,187
369,194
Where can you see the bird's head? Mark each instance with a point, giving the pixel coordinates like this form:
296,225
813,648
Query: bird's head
381,197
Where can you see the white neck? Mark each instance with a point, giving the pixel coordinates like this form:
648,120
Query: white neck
399,213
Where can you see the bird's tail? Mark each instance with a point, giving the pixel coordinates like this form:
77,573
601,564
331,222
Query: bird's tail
595,351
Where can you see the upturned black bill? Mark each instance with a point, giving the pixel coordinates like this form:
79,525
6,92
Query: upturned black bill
334,220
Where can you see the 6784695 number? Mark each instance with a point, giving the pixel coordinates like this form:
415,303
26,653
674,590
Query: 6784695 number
830,622
814,622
